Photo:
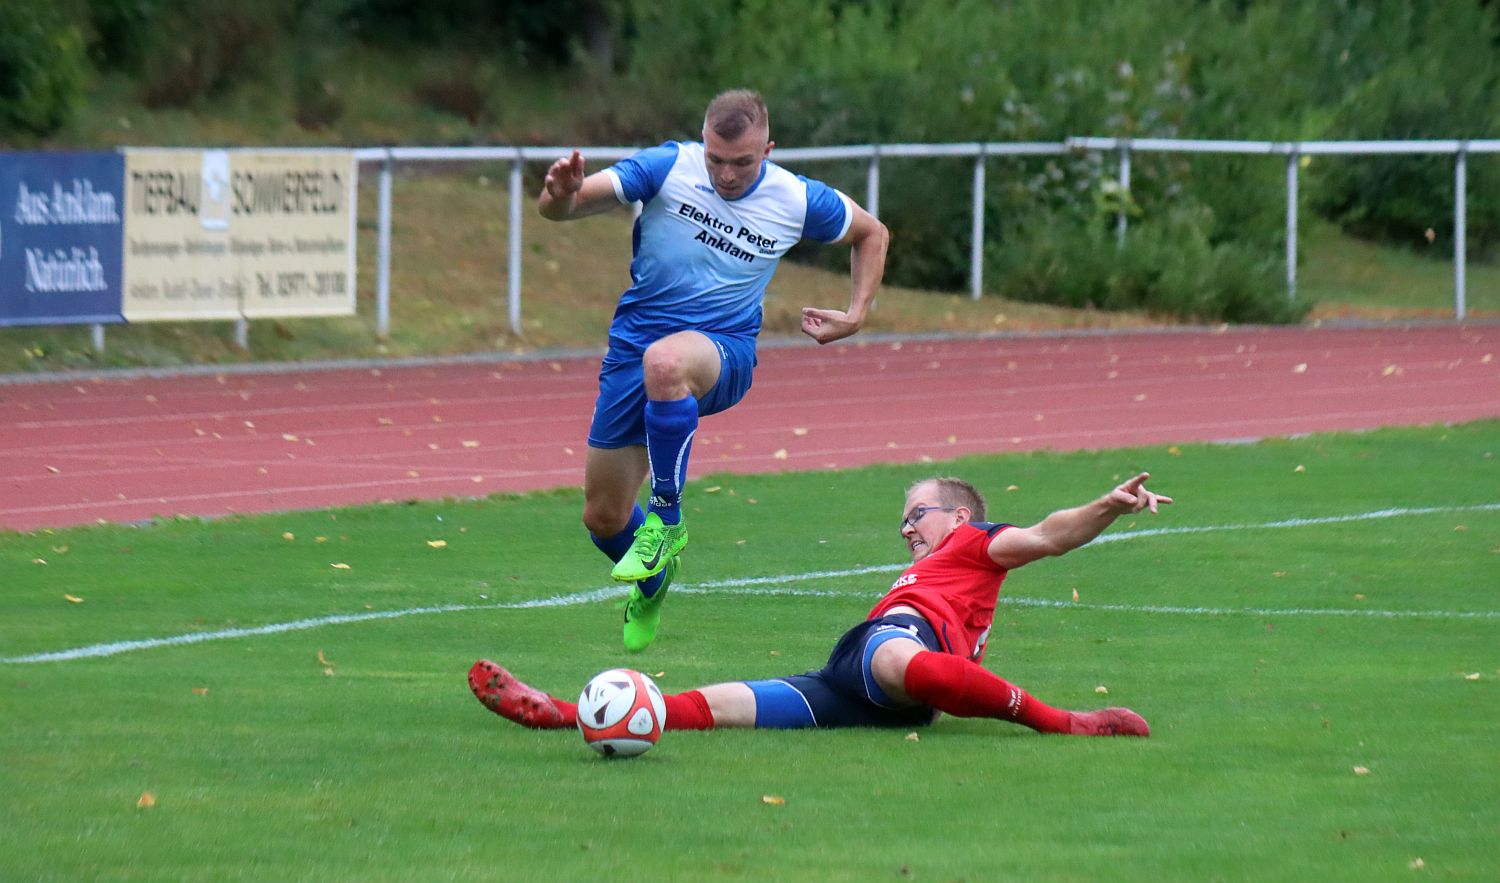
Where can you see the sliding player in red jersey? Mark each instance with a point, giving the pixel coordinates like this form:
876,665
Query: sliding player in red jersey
917,654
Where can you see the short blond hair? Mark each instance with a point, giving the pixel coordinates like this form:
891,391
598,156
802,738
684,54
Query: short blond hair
955,492
731,114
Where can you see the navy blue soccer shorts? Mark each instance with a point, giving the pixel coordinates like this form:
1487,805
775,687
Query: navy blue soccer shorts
842,693
620,410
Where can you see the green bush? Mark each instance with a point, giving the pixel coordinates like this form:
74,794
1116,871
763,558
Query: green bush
203,49
1167,267
886,71
122,32
965,70
836,72
43,67
551,35
1373,70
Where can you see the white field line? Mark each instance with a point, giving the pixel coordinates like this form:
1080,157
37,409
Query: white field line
775,585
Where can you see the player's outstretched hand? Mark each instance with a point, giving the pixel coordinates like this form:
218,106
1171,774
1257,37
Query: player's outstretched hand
565,177
1132,496
826,326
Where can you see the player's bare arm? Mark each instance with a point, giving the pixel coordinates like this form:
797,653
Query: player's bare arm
1067,529
567,193
867,239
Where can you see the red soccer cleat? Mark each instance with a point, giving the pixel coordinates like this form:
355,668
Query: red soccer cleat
513,700
1109,722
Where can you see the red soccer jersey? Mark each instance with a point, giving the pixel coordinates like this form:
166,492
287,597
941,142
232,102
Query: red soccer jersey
955,588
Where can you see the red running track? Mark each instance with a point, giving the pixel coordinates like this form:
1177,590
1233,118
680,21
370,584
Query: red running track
126,448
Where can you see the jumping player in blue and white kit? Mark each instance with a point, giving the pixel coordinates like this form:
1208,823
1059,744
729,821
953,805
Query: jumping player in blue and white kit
717,216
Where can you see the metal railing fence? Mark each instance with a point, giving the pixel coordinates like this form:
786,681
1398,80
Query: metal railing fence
1290,151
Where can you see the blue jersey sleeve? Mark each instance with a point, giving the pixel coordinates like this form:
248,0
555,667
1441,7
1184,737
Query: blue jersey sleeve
828,218
640,176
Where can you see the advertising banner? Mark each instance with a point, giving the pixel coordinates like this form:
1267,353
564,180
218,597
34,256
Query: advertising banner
60,233
223,234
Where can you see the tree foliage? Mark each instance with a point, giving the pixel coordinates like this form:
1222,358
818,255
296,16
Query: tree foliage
841,71
885,71
43,67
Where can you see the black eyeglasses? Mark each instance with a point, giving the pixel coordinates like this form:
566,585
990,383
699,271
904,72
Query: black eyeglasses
920,512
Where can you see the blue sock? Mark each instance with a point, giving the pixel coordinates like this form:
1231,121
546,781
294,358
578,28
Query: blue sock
650,584
616,547
669,439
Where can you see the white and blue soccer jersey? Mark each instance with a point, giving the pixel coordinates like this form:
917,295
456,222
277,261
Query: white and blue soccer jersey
701,262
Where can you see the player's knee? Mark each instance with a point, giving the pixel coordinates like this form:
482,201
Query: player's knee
665,368
604,521
731,705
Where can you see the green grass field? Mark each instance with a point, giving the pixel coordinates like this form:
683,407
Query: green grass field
1281,626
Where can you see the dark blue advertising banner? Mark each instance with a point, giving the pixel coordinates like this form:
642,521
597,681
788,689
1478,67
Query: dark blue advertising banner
61,229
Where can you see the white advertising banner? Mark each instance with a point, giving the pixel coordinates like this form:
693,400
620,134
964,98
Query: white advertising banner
222,234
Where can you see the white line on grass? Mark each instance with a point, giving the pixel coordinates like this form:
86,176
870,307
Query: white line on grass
745,585
1300,522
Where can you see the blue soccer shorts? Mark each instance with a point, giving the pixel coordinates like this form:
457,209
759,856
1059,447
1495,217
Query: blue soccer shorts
620,410
843,693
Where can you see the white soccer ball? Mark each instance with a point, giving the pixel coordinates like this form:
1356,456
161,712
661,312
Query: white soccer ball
621,713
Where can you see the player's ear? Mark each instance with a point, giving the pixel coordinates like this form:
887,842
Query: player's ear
963,514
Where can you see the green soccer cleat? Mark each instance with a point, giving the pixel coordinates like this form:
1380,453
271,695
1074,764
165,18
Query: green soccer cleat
655,544
643,615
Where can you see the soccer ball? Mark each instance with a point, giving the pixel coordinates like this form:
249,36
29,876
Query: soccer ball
621,713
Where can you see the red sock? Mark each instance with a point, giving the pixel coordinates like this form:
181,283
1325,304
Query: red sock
688,711
962,688
569,712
